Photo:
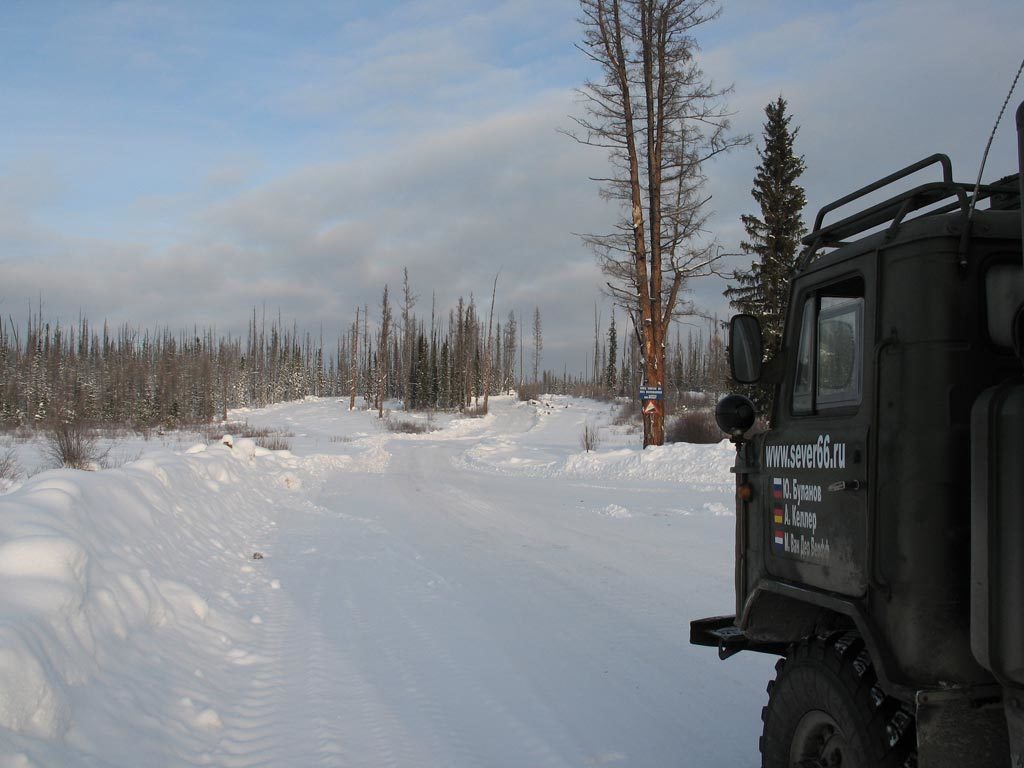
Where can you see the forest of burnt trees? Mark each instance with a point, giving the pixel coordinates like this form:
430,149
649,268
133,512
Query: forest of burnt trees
143,379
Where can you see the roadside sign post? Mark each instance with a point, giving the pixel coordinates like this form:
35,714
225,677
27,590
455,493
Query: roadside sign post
652,397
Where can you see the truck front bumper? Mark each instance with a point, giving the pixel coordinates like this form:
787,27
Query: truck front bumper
722,633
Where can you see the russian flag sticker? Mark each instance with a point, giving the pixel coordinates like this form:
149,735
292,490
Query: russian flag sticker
777,487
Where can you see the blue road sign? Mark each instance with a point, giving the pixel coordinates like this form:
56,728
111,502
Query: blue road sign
651,393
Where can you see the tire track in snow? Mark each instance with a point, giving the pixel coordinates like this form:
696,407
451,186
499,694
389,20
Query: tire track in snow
349,724
361,669
527,712
444,692
307,701
465,683
322,686
253,735
409,703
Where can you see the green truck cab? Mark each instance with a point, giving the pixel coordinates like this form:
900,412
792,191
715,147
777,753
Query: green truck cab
880,517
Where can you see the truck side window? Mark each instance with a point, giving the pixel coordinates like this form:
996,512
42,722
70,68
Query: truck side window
803,384
829,369
840,342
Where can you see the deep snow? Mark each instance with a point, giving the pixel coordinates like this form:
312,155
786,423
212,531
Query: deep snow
487,594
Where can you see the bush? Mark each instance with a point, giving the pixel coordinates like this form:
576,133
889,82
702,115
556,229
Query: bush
407,427
628,414
273,442
214,432
111,460
9,467
265,437
694,427
474,411
74,446
688,401
590,440
529,392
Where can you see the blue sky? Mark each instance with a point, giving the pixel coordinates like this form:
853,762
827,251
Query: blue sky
129,103
175,163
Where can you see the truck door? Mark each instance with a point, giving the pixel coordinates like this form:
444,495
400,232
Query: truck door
815,457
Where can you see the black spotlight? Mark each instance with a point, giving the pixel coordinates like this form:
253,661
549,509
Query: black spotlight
735,415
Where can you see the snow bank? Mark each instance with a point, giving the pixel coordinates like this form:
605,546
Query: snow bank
95,565
699,466
548,445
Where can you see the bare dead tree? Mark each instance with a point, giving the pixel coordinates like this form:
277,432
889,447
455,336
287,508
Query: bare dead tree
660,119
487,354
354,363
408,337
522,366
538,342
382,353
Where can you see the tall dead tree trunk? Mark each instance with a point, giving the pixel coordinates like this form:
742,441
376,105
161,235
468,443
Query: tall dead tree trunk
408,339
354,363
487,355
383,355
659,118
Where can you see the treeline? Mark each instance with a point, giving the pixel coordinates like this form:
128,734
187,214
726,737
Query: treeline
145,379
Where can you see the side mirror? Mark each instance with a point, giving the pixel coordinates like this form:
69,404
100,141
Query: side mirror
746,349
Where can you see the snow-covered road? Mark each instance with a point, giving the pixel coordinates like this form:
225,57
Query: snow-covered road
484,595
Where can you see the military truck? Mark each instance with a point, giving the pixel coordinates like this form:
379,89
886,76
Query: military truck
880,515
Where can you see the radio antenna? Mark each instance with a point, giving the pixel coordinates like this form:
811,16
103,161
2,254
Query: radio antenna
988,146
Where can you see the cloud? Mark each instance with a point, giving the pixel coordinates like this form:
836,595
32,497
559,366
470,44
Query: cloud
423,66
498,194
454,207
306,169
874,87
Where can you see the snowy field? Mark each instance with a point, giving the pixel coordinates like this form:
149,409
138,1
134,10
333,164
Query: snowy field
484,595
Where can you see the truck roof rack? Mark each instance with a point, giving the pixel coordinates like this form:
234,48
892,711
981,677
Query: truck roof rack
896,208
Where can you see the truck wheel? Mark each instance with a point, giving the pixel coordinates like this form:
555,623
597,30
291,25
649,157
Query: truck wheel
825,709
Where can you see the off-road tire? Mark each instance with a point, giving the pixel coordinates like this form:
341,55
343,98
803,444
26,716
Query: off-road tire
826,709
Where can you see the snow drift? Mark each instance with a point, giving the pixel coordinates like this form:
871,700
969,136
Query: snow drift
96,566
487,594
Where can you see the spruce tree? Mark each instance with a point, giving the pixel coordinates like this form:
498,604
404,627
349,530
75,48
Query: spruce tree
774,237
